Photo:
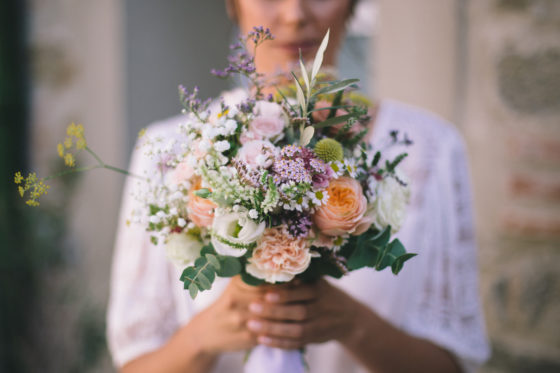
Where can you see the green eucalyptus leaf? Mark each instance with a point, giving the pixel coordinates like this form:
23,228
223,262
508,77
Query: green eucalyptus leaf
207,249
250,280
213,260
229,266
381,239
200,261
203,281
193,290
188,273
363,256
399,262
210,273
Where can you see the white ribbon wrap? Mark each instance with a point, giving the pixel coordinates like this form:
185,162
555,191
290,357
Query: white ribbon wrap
274,360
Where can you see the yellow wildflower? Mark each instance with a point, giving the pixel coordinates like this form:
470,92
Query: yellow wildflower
60,150
79,131
81,143
21,191
141,133
68,142
223,113
69,160
18,178
71,130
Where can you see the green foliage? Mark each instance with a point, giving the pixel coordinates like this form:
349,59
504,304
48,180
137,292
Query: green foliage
373,249
390,166
250,280
200,276
336,86
334,120
324,265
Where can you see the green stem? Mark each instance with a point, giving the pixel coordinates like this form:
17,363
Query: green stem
71,171
101,163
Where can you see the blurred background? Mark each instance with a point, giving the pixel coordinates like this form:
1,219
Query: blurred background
492,67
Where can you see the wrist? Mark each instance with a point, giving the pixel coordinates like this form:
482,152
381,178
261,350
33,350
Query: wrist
195,345
361,321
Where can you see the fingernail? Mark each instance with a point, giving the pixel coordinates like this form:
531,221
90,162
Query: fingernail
272,297
255,307
254,325
264,340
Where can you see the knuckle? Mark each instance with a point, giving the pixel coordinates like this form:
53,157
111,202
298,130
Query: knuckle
297,331
237,319
301,313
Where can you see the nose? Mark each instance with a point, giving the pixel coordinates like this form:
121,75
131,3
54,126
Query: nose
294,12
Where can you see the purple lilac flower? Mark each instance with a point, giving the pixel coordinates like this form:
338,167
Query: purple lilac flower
291,170
299,224
300,164
191,102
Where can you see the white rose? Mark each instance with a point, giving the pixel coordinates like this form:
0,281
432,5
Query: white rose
234,233
182,249
391,202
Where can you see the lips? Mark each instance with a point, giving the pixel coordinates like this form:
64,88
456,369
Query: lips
293,47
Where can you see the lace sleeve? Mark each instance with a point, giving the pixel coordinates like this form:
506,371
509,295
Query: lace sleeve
446,307
141,314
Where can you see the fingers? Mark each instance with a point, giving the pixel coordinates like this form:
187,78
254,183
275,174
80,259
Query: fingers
286,344
290,312
277,329
299,293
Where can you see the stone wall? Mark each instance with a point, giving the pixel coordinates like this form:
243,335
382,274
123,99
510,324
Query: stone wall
501,86
512,124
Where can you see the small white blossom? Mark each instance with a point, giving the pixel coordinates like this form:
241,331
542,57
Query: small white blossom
155,219
222,146
230,126
204,145
253,214
181,222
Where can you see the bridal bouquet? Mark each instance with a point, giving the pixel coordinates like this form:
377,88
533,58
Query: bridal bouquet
276,186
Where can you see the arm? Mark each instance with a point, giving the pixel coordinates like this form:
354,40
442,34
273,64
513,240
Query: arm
292,317
195,347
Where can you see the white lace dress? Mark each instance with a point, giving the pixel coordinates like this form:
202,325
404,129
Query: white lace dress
435,296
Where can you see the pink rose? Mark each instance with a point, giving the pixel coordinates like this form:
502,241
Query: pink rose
269,120
182,173
257,153
200,210
344,210
279,257
247,136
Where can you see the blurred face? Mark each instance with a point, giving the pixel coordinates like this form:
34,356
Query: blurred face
295,24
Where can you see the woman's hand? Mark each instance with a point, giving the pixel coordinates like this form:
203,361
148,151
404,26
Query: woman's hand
222,326
219,328
295,314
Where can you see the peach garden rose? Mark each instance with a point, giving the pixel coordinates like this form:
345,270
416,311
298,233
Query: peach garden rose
344,212
200,210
